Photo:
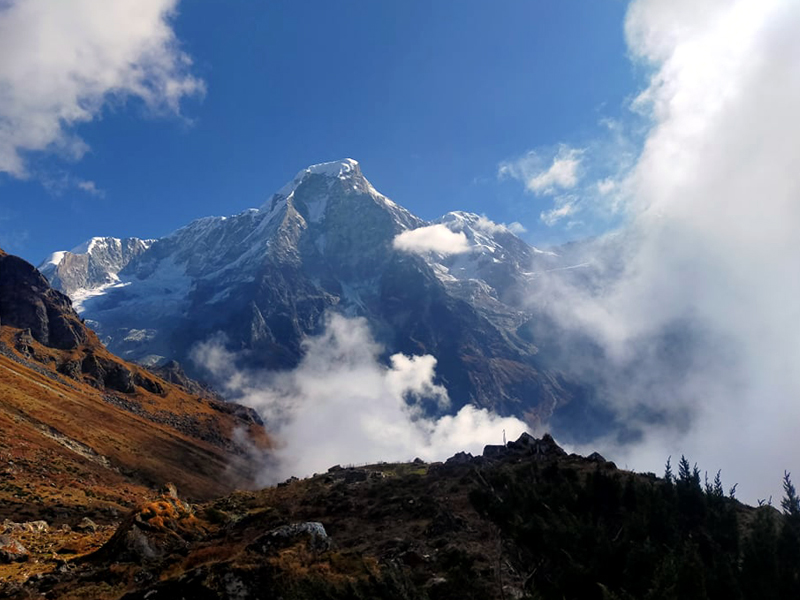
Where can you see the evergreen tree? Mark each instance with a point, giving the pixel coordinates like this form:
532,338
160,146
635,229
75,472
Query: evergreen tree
789,541
790,502
669,476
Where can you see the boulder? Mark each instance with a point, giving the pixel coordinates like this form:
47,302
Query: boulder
86,525
311,532
26,527
11,550
153,530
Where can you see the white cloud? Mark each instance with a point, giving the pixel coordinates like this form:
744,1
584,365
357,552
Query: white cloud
712,249
606,186
565,206
341,406
432,238
562,173
488,226
90,187
516,228
61,62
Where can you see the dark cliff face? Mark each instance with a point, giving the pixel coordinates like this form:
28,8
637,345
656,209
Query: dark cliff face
28,302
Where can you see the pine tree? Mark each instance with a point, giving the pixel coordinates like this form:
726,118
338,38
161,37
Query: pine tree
717,490
790,502
684,470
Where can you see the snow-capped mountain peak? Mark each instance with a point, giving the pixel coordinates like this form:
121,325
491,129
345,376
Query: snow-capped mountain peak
337,169
266,277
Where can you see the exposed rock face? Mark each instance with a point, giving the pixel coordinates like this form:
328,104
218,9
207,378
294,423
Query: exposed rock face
173,372
28,302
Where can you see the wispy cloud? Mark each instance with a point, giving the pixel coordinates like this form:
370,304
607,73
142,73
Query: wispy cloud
60,182
90,187
486,225
341,405
61,62
545,176
701,314
433,238
564,206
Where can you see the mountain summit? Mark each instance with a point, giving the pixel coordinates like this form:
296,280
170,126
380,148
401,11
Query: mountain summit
265,278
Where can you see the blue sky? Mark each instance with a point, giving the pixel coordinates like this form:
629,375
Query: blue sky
430,98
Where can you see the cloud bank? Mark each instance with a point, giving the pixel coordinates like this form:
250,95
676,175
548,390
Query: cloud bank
432,238
342,406
62,62
703,316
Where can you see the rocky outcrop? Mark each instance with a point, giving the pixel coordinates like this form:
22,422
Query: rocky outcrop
526,445
172,372
154,530
28,302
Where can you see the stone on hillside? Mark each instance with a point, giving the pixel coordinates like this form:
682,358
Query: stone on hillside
355,475
153,530
12,551
26,527
86,525
313,532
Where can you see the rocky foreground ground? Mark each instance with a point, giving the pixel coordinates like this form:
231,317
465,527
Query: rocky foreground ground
377,531
525,520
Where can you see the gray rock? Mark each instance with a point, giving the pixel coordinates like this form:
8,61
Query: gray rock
26,527
12,551
313,532
86,525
